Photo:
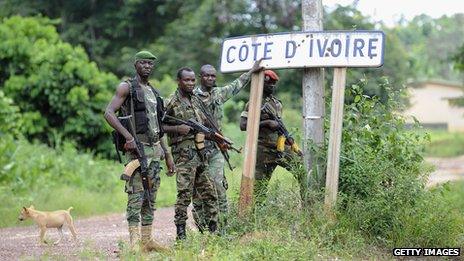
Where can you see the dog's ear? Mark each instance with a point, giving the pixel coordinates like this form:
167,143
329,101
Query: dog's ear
25,209
32,207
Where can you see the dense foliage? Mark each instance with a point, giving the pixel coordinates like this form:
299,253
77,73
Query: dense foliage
381,166
189,33
59,92
51,92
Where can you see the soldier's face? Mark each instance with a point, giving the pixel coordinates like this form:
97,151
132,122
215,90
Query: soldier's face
269,85
187,81
208,77
144,67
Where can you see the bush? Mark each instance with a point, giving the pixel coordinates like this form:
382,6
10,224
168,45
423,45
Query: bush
60,93
10,118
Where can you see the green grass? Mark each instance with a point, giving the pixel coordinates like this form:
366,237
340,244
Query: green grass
57,179
445,144
279,230
282,230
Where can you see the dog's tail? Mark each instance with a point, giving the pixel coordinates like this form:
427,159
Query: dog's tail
70,208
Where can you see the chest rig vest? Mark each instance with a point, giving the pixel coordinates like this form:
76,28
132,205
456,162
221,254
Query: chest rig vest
146,109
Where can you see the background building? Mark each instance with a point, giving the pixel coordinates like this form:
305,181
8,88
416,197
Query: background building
429,104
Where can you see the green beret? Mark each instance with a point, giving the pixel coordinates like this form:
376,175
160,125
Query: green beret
145,55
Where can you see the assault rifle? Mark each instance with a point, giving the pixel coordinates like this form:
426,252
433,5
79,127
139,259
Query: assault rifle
223,143
141,157
284,136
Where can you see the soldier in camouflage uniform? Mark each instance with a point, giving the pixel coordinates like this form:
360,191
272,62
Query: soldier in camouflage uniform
136,97
268,158
190,158
214,98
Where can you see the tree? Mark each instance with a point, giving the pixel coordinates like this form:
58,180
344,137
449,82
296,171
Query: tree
60,93
110,31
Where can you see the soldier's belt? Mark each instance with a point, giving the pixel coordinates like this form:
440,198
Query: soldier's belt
151,144
179,141
268,144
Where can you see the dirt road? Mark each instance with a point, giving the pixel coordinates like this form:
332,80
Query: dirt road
99,236
447,169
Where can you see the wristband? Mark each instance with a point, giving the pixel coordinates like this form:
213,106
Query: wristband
129,141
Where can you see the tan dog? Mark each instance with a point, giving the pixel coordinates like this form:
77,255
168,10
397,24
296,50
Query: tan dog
45,219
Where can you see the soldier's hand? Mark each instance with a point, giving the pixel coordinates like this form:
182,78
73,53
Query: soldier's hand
273,125
256,66
270,124
130,145
183,129
170,164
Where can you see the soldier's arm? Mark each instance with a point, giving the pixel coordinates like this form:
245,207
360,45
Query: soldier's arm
225,93
270,124
181,129
110,112
167,156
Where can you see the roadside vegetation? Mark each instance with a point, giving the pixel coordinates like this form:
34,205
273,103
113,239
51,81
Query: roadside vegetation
445,144
383,202
56,151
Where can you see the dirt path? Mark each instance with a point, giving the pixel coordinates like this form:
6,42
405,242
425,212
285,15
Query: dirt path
99,236
447,169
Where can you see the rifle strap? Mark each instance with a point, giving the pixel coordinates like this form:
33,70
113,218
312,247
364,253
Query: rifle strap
132,95
132,119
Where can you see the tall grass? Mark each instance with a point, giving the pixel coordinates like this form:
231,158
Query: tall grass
444,144
53,179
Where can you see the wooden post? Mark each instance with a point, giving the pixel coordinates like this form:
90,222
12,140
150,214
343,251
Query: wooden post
336,122
251,144
313,96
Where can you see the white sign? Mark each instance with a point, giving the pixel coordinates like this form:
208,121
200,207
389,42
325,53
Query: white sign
304,49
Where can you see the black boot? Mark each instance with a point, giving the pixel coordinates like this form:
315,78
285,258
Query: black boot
212,227
181,232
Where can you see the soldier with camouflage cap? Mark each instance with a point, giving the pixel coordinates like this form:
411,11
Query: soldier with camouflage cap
139,100
268,157
214,97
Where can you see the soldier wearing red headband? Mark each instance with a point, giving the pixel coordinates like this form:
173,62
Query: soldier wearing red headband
269,156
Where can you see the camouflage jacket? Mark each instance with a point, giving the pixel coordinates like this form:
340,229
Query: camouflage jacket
178,108
267,136
215,99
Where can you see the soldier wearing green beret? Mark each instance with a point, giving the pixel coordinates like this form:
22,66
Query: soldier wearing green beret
137,99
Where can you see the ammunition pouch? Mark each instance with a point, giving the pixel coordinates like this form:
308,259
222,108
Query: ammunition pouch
280,144
200,141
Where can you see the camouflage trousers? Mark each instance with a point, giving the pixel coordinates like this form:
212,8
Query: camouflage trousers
140,207
216,173
192,175
267,160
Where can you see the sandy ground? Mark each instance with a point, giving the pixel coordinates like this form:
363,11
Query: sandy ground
99,236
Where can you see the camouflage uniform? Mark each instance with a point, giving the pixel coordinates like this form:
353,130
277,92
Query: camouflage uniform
137,205
214,101
192,168
268,158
